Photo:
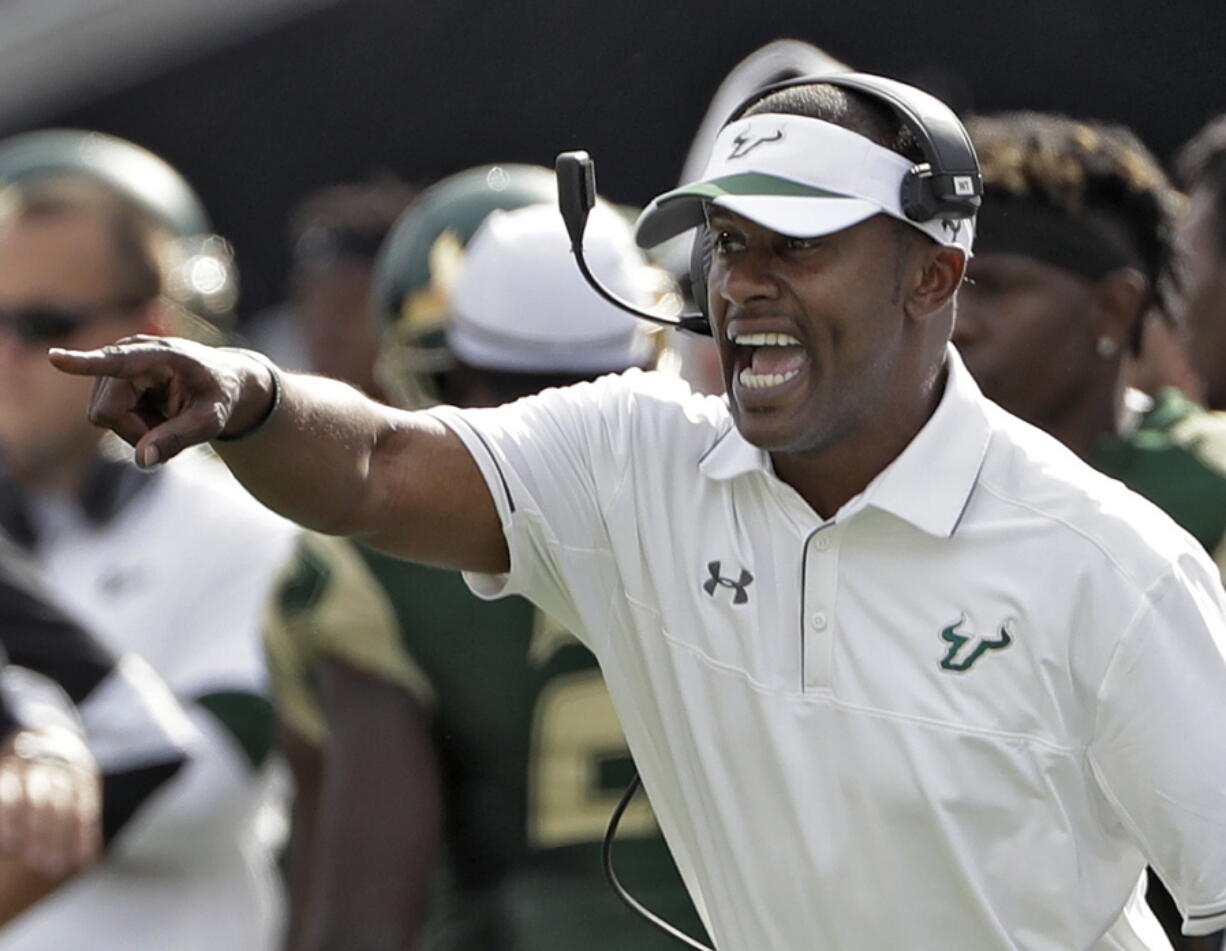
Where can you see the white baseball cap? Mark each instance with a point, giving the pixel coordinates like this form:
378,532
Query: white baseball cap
797,176
519,303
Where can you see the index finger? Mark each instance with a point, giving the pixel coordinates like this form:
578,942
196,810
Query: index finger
126,361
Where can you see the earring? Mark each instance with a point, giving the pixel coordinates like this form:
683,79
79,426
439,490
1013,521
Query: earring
1106,347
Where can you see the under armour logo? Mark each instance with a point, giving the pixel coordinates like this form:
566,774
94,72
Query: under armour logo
952,226
745,143
718,581
957,641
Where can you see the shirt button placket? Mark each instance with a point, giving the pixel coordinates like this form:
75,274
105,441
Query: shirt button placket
821,564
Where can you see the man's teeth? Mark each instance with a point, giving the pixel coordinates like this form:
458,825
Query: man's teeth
757,381
764,340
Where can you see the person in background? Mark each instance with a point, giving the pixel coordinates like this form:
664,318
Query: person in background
495,737
1201,169
1074,253
174,566
323,326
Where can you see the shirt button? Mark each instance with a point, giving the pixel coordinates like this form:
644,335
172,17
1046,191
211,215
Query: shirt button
819,620
822,543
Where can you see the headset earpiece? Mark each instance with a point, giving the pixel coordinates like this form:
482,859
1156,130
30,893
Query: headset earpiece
699,262
918,201
926,196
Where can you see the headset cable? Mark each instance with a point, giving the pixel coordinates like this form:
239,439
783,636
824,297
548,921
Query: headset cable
606,858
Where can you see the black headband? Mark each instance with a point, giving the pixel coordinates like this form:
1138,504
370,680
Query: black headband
1083,245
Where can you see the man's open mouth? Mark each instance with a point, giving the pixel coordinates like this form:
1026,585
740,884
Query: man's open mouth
767,359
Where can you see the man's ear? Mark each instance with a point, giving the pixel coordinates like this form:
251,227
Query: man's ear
937,275
1120,301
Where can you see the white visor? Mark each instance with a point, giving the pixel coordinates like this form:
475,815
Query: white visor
797,176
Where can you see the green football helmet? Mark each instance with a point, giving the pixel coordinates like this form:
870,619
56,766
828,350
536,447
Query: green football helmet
419,259
202,279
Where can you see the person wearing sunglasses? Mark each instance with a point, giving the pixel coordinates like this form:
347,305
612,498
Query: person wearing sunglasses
46,325
176,567
58,287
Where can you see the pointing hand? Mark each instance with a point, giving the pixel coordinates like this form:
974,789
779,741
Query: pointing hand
163,395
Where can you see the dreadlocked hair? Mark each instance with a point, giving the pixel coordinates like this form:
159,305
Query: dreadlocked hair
1093,171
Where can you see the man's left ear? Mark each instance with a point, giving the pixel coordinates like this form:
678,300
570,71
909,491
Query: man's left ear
1120,300
939,277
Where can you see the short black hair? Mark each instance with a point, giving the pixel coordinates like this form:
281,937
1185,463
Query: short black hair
1097,173
1201,163
848,108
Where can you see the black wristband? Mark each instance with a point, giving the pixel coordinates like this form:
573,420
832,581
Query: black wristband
277,387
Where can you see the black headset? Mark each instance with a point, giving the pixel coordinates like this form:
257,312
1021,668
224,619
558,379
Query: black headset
946,185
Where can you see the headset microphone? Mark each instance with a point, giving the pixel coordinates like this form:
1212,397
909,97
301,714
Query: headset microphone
576,197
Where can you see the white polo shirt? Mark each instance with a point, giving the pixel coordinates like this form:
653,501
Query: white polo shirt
961,714
181,575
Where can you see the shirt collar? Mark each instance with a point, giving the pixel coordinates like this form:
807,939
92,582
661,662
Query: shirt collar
110,485
732,455
928,485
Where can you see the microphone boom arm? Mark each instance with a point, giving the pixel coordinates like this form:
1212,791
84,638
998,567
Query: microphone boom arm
576,197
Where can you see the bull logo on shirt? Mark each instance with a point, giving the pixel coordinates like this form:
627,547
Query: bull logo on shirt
719,581
965,649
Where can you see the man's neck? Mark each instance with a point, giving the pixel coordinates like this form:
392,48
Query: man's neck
63,475
828,478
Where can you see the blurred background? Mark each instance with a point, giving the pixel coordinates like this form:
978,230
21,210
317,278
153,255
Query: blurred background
258,102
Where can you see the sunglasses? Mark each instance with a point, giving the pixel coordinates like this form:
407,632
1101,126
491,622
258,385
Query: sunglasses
46,324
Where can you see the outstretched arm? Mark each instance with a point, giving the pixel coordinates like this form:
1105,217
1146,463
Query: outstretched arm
327,457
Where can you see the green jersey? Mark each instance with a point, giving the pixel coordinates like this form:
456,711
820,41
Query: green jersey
1176,458
531,751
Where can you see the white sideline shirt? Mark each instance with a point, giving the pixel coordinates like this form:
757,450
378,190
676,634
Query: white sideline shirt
962,713
180,575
